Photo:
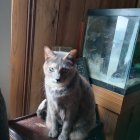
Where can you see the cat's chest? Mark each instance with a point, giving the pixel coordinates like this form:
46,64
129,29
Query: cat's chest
59,109
59,104
56,91
61,114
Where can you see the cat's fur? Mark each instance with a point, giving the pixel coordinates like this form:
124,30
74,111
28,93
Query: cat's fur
70,101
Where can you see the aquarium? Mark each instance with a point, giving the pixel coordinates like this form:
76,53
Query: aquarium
112,48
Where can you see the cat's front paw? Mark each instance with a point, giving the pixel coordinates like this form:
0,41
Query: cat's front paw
62,137
53,133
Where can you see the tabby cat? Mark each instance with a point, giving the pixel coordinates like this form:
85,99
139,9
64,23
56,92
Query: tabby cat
70,101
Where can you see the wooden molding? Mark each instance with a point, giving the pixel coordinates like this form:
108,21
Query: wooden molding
21,55
29,55
18,51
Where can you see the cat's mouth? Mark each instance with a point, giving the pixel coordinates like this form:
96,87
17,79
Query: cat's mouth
60,80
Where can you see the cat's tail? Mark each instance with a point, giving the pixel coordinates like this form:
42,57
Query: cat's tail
42,109
78,135
83,128
42,113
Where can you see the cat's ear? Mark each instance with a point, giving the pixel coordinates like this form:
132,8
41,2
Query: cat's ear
71,56
48,53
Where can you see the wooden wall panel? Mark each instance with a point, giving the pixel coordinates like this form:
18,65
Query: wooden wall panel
129,3
45,34
18,58
94,4
70,16
138,4
118,3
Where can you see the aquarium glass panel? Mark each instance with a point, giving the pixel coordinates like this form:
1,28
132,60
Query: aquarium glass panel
134,74
108,46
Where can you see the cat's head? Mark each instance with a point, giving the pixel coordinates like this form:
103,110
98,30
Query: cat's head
59,67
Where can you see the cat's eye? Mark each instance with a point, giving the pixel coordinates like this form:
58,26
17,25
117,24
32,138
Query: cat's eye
51,69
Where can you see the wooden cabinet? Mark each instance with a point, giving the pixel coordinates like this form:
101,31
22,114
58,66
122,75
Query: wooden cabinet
119,114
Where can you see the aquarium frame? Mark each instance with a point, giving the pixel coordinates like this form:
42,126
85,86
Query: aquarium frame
114,12
135,12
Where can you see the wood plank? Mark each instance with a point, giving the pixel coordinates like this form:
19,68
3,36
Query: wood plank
129,4
45,34
108,99
138,4
95,4
18,55
91,4
109,121
29,54
70,17
118,4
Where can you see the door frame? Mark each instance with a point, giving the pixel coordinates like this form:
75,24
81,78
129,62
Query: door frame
22,46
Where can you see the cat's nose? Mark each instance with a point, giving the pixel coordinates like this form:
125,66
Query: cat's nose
58,80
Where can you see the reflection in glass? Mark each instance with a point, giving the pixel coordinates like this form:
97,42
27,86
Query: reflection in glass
134,75
108,47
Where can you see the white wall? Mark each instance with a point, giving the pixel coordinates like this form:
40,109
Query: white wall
5,35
